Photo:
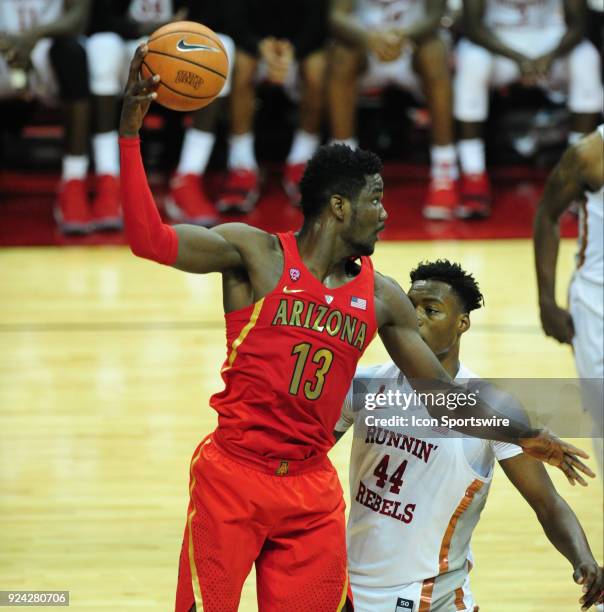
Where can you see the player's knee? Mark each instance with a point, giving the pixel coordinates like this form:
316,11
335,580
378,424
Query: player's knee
343,63
68,59
313,70
105,52
432,61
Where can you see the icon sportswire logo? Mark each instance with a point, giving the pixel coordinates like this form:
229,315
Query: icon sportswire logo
185,47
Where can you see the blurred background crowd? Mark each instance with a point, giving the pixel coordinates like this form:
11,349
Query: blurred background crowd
455,86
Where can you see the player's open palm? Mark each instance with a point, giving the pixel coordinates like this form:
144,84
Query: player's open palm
591,577
138,95
550,449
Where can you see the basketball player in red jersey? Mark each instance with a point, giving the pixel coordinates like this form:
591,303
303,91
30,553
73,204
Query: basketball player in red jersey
299,314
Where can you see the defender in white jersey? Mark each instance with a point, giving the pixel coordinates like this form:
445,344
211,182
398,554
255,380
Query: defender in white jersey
396,42
121,26
41,56
416,498
537,42
578,177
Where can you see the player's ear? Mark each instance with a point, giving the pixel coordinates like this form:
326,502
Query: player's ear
464,323
338,205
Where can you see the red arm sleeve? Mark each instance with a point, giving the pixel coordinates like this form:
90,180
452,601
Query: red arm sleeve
147,235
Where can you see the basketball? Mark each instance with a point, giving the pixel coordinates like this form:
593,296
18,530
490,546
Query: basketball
191,61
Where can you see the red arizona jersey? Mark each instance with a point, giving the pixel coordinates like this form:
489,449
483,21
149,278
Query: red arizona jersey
290,360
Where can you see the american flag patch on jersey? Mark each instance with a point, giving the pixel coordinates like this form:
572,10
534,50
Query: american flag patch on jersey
357,302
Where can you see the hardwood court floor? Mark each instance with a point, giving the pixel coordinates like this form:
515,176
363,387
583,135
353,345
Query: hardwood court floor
106,366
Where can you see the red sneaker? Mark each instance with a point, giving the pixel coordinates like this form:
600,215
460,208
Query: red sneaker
291,182
241,191
475,197
106,210
442,200
71,212
188,203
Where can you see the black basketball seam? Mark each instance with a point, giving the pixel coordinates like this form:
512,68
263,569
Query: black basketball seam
184,95
174,90
182,59
216,40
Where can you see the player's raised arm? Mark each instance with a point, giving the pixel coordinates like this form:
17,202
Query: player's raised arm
187,247
398,330
559,523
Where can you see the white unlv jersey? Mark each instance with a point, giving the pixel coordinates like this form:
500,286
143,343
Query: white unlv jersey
145,11
524,13
414,501
387,14
590,258
22,15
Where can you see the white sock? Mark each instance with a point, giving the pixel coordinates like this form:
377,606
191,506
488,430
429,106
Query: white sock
241,152
574,137
444,162
303,147
106,153
351,142
471,156
75,167
195,153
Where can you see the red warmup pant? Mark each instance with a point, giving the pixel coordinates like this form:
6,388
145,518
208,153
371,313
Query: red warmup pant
292,527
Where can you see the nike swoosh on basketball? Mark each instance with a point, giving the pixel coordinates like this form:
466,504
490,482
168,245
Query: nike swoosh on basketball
286,290
183,46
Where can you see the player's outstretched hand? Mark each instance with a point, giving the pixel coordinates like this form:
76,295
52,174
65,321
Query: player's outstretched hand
550,449
591,577
138,96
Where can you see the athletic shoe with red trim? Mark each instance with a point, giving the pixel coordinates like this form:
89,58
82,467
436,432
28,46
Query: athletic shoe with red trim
241,191
71,212
188,203
106,210
291,182
475,197
442,200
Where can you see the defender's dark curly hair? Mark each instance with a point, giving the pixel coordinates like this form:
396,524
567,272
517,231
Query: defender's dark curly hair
333,169
464,284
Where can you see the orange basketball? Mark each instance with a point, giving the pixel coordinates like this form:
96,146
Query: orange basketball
191,61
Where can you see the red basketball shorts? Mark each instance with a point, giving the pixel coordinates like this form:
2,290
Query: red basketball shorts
291,526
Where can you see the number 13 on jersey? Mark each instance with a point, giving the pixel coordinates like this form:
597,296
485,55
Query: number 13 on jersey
313,386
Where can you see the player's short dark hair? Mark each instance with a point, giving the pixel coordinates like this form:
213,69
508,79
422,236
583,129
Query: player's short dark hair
333,169
463,284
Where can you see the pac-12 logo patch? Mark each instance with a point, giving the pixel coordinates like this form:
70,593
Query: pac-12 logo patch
404,605
294,274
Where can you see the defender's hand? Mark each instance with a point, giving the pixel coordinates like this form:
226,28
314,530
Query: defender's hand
592,578
557,323
550,449
138,96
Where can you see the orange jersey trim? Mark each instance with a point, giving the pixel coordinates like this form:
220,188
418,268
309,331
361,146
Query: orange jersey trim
459,595
425,599
243,335
443,557
584,237
464,504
